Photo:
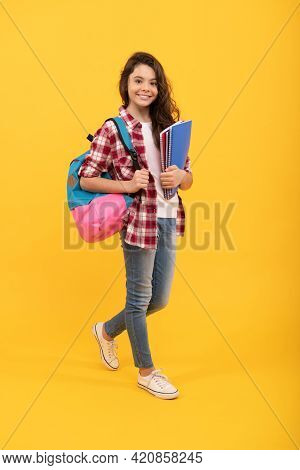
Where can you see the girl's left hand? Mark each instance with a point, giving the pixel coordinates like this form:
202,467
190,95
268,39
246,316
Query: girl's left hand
172,177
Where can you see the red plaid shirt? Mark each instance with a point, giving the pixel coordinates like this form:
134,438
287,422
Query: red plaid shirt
108,154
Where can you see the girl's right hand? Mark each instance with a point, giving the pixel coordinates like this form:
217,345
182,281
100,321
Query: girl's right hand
139,180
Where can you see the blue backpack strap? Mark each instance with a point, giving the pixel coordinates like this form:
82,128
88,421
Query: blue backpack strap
125,139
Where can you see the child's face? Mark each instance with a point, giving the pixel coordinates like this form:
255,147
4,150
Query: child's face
142,86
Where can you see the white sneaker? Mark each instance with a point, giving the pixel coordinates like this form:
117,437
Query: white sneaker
108,349
157,384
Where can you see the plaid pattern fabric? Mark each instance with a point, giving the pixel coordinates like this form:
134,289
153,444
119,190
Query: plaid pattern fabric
107,154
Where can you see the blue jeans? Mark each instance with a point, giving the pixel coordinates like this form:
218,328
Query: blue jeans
149,276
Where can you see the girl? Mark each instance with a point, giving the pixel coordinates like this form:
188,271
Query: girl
151,223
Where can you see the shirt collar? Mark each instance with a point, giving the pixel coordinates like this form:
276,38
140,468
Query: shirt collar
128,118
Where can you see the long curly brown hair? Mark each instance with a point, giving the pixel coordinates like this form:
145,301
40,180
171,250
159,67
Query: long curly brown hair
163,110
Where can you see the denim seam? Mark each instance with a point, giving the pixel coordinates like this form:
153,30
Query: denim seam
132,322
154,281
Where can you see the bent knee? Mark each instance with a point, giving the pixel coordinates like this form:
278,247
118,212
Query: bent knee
155,307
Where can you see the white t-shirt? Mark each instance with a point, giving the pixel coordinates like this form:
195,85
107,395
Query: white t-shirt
165,207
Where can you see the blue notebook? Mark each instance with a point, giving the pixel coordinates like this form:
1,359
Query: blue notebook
177,143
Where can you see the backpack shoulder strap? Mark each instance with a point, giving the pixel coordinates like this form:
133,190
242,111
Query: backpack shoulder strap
125,139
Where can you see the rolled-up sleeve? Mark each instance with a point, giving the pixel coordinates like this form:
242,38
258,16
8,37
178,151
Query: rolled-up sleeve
97,160
187,165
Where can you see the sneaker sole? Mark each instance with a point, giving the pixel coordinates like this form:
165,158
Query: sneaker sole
165,396
94,331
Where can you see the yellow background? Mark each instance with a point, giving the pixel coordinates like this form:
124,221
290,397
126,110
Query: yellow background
229,338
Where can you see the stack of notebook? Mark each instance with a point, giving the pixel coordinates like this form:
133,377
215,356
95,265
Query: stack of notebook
174,146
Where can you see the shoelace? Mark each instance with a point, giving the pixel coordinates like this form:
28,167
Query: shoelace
112,348
160,379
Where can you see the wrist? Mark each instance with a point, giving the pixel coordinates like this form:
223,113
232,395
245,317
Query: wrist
187,181
183,173
128,186
181,186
